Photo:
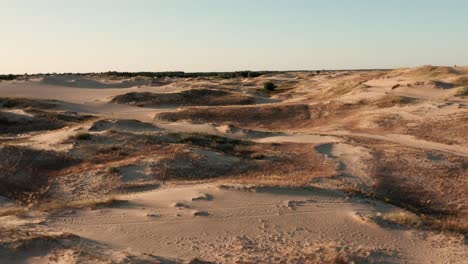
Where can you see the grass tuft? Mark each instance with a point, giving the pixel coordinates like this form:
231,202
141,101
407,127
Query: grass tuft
462,92
82,136
392,100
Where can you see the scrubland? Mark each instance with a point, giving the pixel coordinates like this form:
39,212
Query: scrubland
320,167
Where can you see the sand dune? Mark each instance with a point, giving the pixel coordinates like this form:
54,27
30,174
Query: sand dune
331,167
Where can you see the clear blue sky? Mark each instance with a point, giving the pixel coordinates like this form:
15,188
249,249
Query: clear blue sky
223,35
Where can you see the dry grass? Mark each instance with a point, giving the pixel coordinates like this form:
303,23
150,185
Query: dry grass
23,239
80,204
192,97
408,219
429,72
462,81
403,218
129,187
457,225
267,116
393,100
36,119
16,211
292,165
7,102
25,171
22,244
462,92
56,205
223,144
245,249
81,136
17,124
451,129
409,179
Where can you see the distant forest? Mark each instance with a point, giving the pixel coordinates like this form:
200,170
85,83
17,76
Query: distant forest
178,74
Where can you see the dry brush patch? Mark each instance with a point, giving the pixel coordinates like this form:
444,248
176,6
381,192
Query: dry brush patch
166,157
94,203
407,219
450,129
393,100
426,72
25,172
289,164
267,116
245,249
192,97
21,103
33,119
21,244
462,92
421,183
429,185
336,85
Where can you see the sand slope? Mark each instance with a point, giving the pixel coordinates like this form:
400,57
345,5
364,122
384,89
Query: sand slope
272,225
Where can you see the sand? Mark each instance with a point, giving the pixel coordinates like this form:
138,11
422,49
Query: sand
282,197
279,220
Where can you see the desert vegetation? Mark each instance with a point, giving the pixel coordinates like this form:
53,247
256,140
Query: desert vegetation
273,161
462,92
186,98
269,86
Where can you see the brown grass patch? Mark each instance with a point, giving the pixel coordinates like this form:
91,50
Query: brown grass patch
59,205
23,239
191,97
430,72
411,220
267,116
449,129
20,103
403,218
393,100
23,244
462,92
25,171
247,249
80,204
462,81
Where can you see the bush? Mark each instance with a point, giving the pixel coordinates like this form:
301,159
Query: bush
113,170
269,86
83,136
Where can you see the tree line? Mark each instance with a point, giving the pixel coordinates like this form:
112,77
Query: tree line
172,74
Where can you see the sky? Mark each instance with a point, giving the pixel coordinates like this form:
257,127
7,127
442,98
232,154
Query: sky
228,35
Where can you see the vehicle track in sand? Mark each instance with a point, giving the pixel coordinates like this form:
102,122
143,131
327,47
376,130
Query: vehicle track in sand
150,222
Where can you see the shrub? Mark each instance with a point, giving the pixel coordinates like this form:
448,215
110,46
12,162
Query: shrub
269,86
83,136
112,170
